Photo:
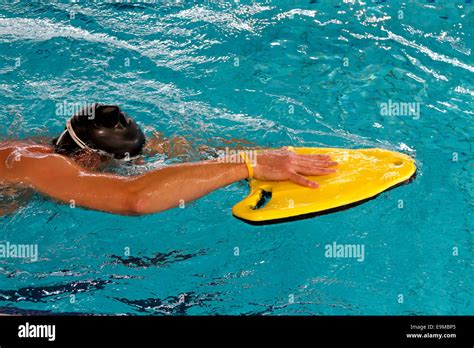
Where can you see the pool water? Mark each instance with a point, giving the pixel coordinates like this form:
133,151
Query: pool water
274,73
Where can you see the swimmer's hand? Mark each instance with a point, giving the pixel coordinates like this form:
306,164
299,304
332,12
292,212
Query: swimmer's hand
61,178
171,147
283,164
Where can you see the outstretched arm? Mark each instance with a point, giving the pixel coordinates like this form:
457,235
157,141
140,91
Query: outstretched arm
61,178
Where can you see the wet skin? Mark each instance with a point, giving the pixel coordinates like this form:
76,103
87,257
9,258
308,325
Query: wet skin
34,166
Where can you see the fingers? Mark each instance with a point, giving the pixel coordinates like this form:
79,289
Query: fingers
310,158
301,180
313,162
318,157
312,170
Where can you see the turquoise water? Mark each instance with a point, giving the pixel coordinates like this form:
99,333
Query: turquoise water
302,73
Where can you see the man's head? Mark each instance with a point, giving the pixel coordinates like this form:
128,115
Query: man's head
101,129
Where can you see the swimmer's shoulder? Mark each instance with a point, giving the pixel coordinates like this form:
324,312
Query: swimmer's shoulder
11,149
6,147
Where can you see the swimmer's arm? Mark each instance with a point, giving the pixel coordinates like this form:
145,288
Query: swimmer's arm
179,184
62,179
174,185
171,147
179,145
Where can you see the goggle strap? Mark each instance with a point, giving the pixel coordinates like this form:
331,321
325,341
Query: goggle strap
84,146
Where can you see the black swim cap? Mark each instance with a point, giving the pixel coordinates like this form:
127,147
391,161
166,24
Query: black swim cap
102,128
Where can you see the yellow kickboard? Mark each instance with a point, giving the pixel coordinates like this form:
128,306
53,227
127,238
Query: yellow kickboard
361,174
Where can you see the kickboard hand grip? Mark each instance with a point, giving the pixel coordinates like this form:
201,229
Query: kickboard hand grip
249,203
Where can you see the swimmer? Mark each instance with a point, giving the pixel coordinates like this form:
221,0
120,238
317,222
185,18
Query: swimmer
66,170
